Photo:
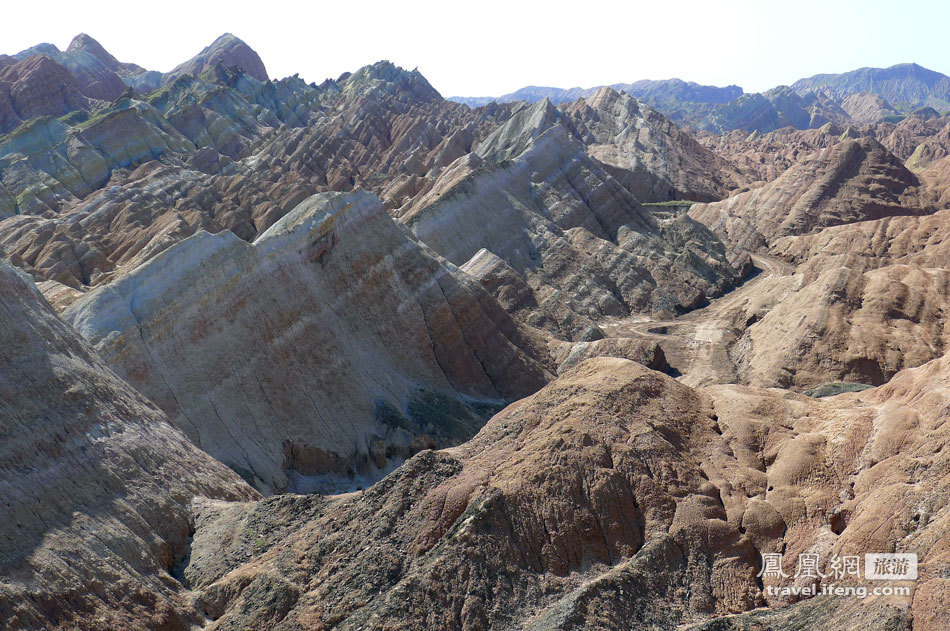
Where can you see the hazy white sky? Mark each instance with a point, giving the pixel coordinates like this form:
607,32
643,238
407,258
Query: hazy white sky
490,47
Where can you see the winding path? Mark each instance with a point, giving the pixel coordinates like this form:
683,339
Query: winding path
697,343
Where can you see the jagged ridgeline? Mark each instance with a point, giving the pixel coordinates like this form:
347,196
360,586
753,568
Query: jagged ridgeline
349,355
866,95
316,281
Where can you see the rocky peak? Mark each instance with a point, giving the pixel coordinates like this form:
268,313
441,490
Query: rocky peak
75,440
38,86
386,77
609,98
40,49
519,132
315,262
87,63
30,65
854,180
85,43
228,50
866,107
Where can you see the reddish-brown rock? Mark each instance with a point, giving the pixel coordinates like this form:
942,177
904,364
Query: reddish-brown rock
36,86
227,50
854,180
95,483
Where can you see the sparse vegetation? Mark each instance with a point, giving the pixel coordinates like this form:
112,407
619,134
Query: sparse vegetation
835,387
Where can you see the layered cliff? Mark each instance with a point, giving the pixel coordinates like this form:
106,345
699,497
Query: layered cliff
333,345
95,483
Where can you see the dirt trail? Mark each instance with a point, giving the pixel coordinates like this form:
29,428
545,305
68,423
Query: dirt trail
697,343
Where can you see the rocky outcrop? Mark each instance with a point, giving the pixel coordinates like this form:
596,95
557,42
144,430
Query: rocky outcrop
847,324
614,495
583,484
869,289
170,161
192,131
903,138
655,159
93,70
763,157
866,107
95,483
85,43
36,86
534,198
854,180
49,164
868,301
227,50
381,128
333,345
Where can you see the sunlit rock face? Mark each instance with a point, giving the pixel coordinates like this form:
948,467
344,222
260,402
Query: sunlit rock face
95,482
333,344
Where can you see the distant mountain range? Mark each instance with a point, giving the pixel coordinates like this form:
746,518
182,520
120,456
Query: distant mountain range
861,96
661,90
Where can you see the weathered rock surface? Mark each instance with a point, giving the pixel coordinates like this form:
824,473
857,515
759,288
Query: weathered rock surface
311,342
36,86
332,345
91,69
854,180
171,169
384,129
847,324
763,157
870,293
227,50
614,495
48,165
95,483
573,234
587,479
903,138
866,107
649,148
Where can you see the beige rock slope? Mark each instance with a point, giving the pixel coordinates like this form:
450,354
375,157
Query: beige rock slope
653,157
870,301
584,480
866,107
870,288
95,484
334,344
614,497
566,237
854,180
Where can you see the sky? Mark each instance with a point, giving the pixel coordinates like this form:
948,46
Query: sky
491,47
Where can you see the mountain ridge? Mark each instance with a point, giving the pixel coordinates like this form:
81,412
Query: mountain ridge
906,87
278,355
